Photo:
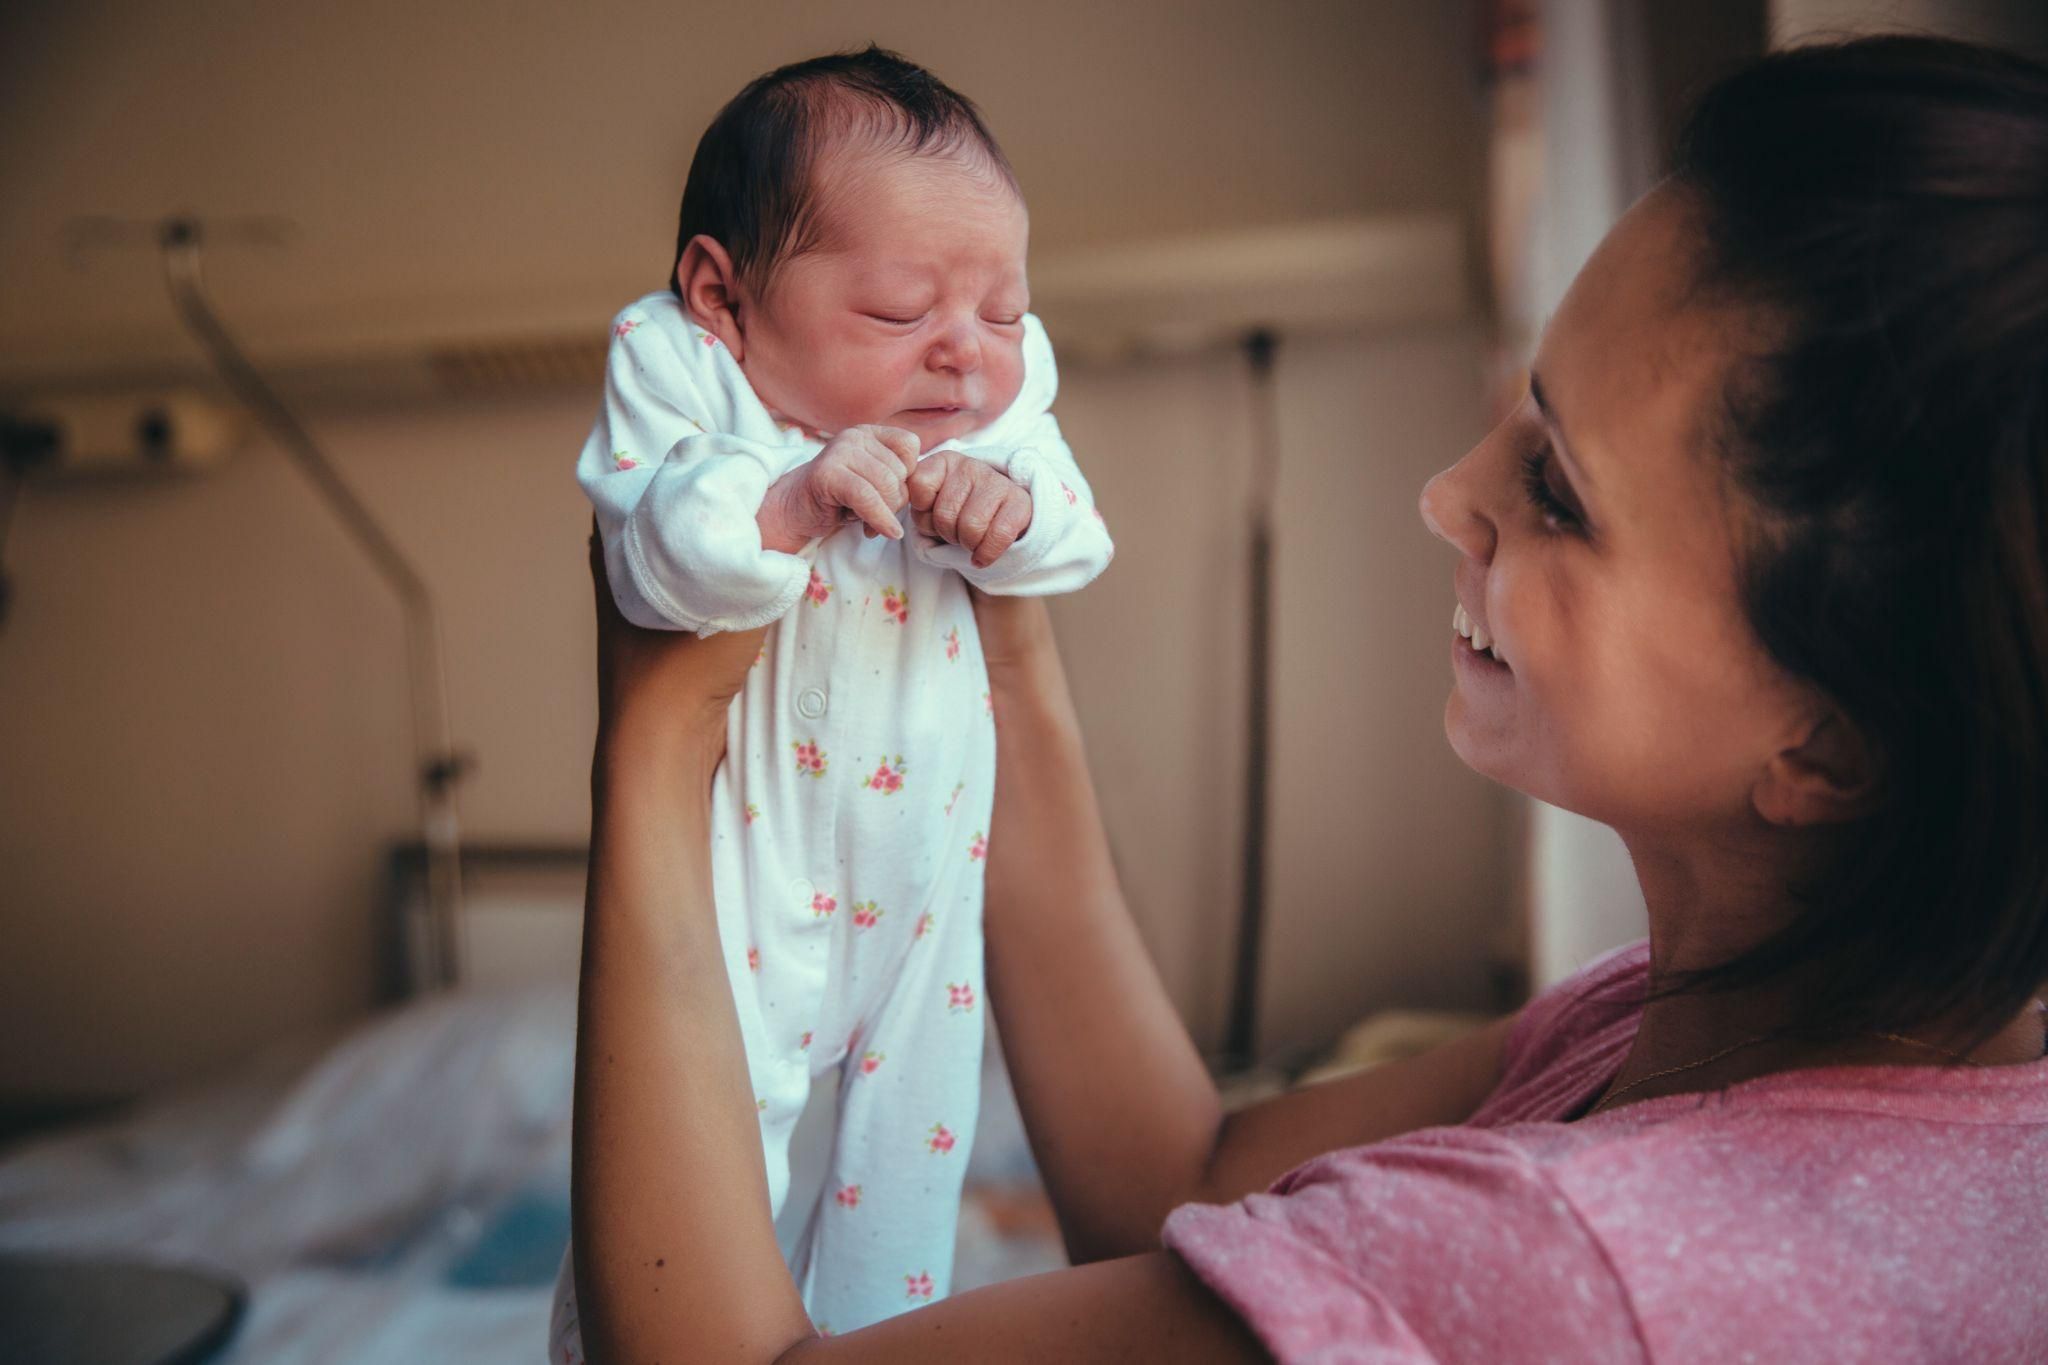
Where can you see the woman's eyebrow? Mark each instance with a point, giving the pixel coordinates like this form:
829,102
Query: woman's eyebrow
1578,470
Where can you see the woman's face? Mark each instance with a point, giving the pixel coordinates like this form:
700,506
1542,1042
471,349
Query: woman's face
1597,550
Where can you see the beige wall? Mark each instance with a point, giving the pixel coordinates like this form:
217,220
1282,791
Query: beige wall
202,717
1388,856
464,169
204,735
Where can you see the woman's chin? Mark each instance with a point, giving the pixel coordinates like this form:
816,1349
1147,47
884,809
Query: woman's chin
1476,749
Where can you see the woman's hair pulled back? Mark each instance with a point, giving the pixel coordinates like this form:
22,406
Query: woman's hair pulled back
1886,203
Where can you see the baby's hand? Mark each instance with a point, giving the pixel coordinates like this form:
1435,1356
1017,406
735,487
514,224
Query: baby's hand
858,476
970,503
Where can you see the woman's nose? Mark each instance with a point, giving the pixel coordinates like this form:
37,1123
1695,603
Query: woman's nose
1453,516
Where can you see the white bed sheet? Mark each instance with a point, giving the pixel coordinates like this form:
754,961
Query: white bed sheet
342,1176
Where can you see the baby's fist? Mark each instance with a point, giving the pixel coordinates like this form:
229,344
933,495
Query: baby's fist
858,476
970,503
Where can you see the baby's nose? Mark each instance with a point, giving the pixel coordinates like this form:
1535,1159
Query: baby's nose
956,349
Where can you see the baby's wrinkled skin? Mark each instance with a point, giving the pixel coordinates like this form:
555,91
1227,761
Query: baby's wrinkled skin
901,330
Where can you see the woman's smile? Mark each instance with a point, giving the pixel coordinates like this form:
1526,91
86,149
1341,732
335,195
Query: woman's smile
1475,641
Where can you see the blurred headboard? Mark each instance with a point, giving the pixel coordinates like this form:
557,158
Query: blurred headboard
521,921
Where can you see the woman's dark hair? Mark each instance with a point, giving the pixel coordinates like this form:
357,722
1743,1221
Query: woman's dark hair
1886,201
751,187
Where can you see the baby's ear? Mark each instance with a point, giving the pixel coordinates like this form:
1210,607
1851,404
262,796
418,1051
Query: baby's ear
709,287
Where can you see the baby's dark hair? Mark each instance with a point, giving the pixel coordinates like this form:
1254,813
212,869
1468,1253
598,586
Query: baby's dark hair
751,187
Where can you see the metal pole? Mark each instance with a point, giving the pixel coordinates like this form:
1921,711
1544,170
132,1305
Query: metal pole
439,767
1241,1037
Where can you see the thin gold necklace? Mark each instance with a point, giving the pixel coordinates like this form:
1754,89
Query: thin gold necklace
1611,1096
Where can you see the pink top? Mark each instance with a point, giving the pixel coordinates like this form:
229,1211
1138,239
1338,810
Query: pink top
1840,1214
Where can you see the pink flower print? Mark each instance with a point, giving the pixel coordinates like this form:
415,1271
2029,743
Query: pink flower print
804,1043
924,926
865,914
941,1140
706,337
959,999
810,759
885,779
988,704
624,460
953,644
760,1105
896,601
958,787
848,1197
823,905
625,329
978,850
817,590
1072,497
753,959
753,813
759,655
871,1062
918,1286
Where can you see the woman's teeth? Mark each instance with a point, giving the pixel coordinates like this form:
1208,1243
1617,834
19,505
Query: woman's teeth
1473,632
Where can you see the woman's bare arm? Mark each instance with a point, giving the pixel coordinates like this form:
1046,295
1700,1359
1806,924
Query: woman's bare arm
675,1251
1123,1116
672,1234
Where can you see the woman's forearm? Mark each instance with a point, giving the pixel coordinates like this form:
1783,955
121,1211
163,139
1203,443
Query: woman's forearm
1122,1113
673,1238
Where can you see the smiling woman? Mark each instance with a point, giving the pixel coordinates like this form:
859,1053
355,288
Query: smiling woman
1755,574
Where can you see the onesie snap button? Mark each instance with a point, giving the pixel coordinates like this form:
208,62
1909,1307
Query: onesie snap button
810,703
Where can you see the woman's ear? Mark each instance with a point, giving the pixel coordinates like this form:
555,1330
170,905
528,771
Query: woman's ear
710,290
1828,777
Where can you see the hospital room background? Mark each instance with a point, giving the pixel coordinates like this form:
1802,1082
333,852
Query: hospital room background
301,326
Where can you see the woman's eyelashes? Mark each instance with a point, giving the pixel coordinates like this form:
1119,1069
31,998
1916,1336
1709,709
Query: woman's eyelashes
1558,515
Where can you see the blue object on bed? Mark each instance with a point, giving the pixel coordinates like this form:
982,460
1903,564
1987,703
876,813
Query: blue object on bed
522,1245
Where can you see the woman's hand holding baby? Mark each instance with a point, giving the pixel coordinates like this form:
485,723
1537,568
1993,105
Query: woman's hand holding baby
858,476
970,503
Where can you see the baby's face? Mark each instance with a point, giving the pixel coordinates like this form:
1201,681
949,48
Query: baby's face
910,315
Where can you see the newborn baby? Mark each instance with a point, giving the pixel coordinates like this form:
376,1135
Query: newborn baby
845,343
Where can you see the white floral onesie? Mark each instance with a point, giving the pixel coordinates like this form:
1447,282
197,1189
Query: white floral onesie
850,817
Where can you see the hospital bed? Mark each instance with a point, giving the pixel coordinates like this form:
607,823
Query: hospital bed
397,1189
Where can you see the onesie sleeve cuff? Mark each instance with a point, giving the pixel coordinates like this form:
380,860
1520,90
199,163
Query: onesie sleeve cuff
692,546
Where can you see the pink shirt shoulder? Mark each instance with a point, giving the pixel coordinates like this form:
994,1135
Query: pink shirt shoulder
1849,1213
